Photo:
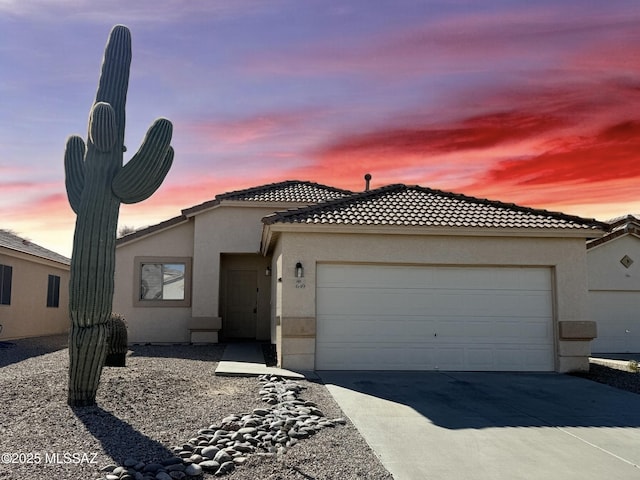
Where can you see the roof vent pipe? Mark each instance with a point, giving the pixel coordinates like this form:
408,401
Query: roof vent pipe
367,180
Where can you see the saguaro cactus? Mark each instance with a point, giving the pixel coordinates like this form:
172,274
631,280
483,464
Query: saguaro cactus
96,183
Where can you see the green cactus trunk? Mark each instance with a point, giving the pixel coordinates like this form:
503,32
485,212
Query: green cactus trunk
87,353
96,184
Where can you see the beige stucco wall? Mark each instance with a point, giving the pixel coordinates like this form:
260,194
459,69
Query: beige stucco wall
614,294
224,229
28,314
605,270
152,324
567,256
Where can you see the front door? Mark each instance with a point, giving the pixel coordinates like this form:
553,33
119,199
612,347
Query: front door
241,304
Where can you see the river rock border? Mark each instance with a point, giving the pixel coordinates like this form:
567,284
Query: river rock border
219,448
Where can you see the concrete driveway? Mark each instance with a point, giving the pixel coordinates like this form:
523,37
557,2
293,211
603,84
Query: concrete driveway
449,425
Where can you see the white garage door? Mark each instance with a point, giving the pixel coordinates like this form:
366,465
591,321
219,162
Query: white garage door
618,321
373,317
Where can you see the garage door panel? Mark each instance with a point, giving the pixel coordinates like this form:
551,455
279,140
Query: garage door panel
448,318
437,302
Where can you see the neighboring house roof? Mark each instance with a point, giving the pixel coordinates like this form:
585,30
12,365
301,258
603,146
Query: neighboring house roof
619,226
403,205
12,241
290,191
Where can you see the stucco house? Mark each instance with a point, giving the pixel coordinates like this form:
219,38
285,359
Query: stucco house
400,277
614,286
34,293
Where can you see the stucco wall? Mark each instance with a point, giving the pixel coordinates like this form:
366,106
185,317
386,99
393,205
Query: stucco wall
567,256
28,314
224,229
614,295
152,324
605,270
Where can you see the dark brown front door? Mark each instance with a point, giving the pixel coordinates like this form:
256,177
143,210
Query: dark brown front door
242,304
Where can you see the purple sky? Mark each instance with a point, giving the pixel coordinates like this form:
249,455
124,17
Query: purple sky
529,102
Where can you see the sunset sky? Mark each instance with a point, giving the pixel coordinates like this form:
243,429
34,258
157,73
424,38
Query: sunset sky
536,103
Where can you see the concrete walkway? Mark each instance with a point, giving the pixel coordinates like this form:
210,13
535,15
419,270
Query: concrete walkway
492,426
247,360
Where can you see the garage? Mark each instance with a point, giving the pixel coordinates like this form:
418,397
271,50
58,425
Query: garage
406,317
618,322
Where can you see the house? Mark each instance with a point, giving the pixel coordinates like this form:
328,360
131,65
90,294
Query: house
34,292
614,286
400,277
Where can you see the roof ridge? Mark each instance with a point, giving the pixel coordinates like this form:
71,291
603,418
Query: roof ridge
355,196
278,185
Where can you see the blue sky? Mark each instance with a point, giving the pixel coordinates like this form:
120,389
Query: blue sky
527,102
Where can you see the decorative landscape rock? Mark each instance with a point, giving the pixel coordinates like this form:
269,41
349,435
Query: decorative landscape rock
220,448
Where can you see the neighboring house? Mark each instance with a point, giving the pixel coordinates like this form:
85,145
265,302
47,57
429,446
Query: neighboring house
34,292
401,277
614,286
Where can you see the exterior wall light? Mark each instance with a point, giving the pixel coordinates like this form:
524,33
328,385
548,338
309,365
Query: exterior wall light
299,270
267,272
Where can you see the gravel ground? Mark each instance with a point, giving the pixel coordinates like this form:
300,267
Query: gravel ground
629,381
162,398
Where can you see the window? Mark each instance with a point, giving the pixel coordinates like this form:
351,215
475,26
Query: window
163,281
6,272
53,291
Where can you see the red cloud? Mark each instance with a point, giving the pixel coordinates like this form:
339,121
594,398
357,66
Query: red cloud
613,153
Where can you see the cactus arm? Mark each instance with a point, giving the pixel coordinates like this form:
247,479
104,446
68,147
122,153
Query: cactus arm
152,182
114,78
74,170
144,173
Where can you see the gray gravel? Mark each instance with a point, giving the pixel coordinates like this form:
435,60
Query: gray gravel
161,399
629,381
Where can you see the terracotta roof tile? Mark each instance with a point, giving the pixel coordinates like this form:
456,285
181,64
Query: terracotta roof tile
402,205
14,242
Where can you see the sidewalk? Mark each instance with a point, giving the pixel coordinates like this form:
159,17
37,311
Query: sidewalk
247,359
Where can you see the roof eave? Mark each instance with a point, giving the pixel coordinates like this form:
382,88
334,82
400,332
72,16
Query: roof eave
34,258
610,237
270,231
151,230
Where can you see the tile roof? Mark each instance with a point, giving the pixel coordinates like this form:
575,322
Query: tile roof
625,221
14,242
290,191
618,227
403,205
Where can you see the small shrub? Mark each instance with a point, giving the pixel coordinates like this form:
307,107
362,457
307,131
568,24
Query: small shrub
117,340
